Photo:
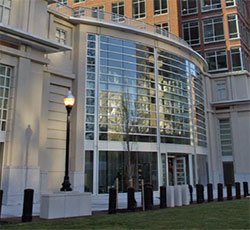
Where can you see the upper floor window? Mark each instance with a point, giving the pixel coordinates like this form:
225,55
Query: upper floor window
77,1
189,7
160,6
210,5
217,60
162,28
5,75
221,90
139,8
78,12
233,26
236,58
5,11
61,36
230,3
63,2
225,137
191,32
213,29
98,12
118,11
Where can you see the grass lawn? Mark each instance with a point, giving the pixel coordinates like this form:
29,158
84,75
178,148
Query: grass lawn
217,215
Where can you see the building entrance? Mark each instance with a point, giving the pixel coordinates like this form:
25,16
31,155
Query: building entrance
174,169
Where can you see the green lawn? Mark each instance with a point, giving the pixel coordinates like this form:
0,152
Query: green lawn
218,215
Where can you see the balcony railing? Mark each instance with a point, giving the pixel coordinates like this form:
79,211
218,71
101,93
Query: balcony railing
102,16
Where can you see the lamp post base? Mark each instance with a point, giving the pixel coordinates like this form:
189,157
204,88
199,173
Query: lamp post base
66,185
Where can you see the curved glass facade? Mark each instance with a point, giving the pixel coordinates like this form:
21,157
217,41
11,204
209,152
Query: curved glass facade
138,93
127,77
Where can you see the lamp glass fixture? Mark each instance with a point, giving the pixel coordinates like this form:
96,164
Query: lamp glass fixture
69,100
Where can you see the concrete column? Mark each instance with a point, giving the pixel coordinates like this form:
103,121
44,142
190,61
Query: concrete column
22,170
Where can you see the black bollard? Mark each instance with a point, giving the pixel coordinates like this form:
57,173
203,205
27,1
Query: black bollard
112,201
190,187
237,190
131,199
148,196
245,188
202,194
199,193
1,200
210,196
27,205
220,191
163,197
229,192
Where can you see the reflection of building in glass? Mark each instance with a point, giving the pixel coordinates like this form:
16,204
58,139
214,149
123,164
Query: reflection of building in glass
145,106
148,93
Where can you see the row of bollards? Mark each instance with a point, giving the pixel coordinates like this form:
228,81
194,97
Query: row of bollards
200,192
27,204
147,195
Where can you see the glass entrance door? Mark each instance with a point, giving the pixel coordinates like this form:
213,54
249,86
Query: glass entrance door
180,171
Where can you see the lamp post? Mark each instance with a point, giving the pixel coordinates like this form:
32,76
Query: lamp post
69,101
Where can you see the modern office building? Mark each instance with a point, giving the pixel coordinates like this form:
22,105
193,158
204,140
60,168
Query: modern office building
141,110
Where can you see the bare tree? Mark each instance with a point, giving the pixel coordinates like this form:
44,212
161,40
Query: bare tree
128,121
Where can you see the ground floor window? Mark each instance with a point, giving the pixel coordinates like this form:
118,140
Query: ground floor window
228,171
114,164
202,169
88,176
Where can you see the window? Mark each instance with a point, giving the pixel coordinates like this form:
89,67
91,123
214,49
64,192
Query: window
213,29
139,9
230,3
225,137
78,12
236,58
61,36
63,2
5,75
5,11
210,5
189,7
88,171
162,28
217,60
77,1
191,32
221,90
118,11
160,7
233,26
228,171
98,12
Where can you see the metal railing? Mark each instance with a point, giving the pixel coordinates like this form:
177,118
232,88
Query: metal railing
102,16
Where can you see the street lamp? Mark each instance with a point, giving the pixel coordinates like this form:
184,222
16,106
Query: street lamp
69,101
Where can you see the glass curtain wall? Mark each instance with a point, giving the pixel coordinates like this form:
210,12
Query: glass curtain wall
122,74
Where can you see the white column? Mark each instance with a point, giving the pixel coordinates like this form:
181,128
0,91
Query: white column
190,166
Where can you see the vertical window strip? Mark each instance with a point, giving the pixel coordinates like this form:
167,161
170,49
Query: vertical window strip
5,77
90,87
225,137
